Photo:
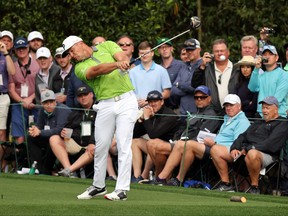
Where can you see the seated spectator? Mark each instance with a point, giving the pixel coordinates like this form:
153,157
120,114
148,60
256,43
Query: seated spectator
248,98
82,139
235,123
262,142
157,121
52,117
272,82
159,150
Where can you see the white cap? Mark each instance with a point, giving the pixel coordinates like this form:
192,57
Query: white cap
6,33
232,99
35,34
70,41
43,52
59,51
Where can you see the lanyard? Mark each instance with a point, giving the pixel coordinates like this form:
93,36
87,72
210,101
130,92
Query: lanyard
26,67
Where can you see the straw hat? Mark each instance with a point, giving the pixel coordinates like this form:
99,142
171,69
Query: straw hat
246,60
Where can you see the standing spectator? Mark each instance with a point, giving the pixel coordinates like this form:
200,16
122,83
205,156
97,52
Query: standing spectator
97,40
286,57
272,82
172,65
7,38
182,93
61,80
183,55
248,98
149,76
262,142
217,73
22,89
6,68
36,41
48,70
117,110
127,45
158,122
52,117
249,46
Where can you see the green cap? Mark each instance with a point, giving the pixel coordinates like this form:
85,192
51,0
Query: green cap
162,40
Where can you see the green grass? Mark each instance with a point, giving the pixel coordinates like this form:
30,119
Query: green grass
47,195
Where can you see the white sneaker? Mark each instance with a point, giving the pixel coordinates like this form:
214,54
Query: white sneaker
91,192
116,195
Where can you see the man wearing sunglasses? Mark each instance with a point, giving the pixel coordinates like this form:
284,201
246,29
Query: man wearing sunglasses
161,151
127,45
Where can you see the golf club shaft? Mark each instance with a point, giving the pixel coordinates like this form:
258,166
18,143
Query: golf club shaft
131,62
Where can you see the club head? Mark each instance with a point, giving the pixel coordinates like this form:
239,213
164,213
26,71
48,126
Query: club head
195,22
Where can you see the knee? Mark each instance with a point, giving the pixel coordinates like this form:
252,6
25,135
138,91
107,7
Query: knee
252,156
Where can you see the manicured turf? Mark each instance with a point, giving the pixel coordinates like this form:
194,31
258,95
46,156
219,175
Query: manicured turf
47,195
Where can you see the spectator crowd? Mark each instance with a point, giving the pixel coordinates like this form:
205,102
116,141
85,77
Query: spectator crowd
201,107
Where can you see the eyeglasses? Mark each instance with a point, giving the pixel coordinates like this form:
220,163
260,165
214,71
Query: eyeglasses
200,97
125,44
219,79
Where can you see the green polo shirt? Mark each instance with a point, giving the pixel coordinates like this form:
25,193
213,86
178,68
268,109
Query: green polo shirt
108,85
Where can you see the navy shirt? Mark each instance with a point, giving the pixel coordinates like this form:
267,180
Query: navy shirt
4,74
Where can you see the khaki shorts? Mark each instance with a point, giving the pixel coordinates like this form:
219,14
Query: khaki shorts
4,107
72,147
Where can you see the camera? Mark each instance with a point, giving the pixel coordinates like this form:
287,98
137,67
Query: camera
269,31
212,56
265,59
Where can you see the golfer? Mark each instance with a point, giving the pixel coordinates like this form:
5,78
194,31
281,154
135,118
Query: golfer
103,69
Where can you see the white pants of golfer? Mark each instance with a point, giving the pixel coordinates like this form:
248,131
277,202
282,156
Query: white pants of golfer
120,115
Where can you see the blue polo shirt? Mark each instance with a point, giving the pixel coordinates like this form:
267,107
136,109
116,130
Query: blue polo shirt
232,128
156,78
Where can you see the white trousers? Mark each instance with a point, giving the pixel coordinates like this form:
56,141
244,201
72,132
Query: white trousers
115,116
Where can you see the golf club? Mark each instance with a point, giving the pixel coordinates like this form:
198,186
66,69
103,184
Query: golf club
194,24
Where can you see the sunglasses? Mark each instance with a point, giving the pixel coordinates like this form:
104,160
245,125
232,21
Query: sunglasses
200,97
219,79
125,44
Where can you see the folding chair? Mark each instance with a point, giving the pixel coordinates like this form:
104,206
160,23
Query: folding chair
242,175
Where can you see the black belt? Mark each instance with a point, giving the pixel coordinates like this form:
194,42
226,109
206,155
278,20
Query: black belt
3,93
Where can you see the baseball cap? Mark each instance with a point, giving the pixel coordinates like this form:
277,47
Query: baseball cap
47,95
154,95
20,42
162,40
43,52
83,90
246,60
6,33
69,42
270,100
35,34
203,89
191,44
231,99
59,51
271,48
